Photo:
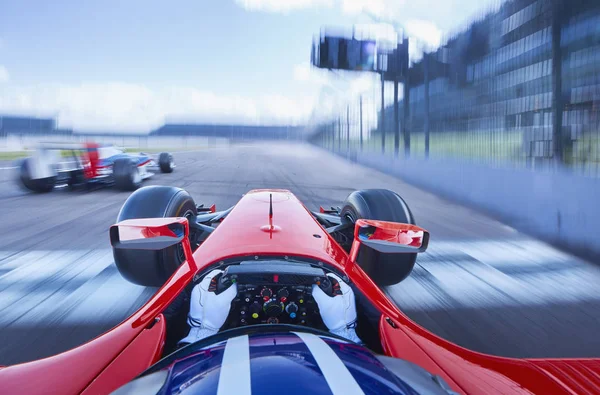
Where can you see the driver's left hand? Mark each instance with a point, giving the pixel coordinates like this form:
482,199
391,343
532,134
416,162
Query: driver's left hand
338,312
208,311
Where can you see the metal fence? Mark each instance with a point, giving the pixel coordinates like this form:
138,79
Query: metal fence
519,87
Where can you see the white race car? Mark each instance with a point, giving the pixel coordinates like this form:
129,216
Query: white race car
87,164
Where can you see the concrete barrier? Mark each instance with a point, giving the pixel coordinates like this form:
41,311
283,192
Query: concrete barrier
556,206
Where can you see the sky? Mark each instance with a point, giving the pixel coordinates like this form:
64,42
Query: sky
132,65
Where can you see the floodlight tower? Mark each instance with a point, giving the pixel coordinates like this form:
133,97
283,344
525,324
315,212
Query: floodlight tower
400,71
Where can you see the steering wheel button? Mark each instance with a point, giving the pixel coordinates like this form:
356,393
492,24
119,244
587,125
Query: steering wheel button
254,315
293,315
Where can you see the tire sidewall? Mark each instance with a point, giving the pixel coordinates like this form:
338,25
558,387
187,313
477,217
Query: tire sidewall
383,205
124,174
165,162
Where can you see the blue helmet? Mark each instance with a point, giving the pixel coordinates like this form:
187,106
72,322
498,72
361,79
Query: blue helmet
292,362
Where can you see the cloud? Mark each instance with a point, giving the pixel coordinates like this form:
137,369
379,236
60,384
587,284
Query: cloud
449,14
351,7
282,6
4,76
424,36
375,7
134,107
361,84
306,73
426,32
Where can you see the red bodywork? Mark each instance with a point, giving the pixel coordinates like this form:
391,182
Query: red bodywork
116,357
405,234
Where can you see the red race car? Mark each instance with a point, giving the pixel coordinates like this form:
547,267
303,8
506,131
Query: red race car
268,296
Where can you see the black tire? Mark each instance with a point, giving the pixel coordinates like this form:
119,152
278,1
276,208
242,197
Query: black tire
165,162
40,185
126,175
153,268
383,205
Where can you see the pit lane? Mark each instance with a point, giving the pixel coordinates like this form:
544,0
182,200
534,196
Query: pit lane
481,284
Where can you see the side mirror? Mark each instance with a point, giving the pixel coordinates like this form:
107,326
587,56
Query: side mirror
148,233
391,251
391,237
144,249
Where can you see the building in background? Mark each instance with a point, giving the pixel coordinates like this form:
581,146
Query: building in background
502,87
30,127
520,85
20,125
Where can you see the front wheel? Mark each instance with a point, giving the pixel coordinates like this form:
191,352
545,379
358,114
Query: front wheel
153,268
166,162
383,205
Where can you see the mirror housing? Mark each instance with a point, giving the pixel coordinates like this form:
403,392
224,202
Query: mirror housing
391,237
148,233
137,243
391,249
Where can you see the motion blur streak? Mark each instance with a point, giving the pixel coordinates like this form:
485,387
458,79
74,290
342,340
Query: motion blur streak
481,284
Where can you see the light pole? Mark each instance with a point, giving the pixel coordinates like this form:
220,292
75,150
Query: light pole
401,37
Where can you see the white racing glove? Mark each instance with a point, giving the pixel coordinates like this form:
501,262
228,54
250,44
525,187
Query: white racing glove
338,312
208,311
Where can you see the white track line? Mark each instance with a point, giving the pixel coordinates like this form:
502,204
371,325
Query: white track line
496,273
65,286
81,286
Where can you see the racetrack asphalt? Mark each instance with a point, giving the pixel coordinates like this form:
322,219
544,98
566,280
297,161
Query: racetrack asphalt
482,284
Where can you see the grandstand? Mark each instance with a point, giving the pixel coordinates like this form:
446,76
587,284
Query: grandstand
22,125
32,126
516,75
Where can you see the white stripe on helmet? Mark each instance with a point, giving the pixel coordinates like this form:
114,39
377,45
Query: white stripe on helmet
235,368
337,375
